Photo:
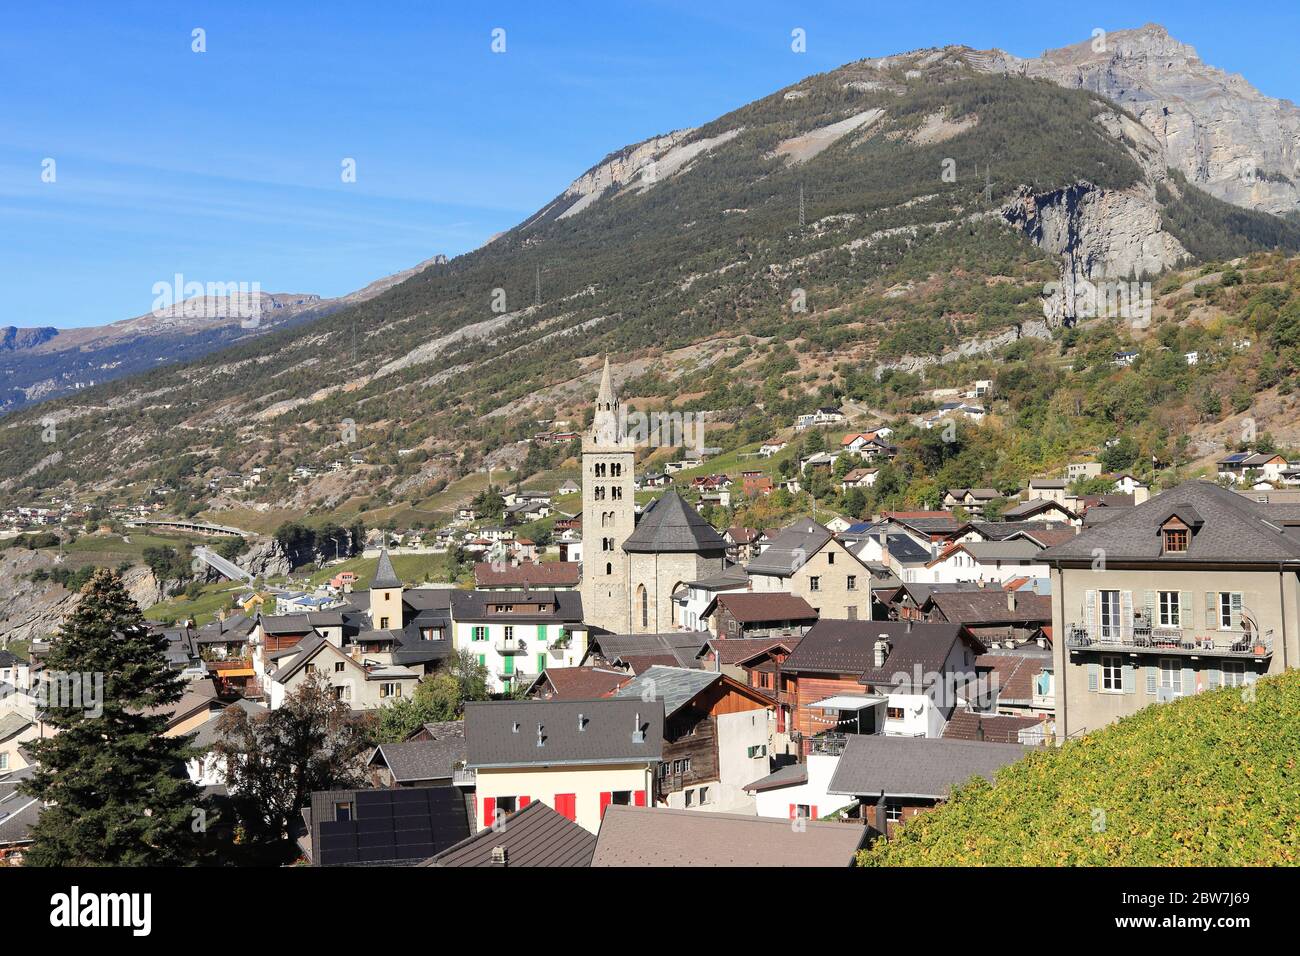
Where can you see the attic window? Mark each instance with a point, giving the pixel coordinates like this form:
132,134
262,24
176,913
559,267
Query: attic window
1175,540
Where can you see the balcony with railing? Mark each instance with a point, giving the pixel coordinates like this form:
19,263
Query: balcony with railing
1146,638
511,645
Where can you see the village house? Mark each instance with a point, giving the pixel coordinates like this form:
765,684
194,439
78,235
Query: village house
1198,588
871,677
750,614
516,635
535,836
692,598
892,779
635,653
1239,466
360,686
806,560
579,757
716,737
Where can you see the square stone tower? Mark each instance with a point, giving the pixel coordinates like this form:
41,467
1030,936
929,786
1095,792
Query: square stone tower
608,513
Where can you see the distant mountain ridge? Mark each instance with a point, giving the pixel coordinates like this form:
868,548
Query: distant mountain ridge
44,363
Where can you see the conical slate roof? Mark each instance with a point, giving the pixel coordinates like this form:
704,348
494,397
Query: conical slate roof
670,525
605,396
385,576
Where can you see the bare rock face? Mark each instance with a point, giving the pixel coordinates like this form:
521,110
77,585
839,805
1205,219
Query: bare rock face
1223,134
266,559
1098,234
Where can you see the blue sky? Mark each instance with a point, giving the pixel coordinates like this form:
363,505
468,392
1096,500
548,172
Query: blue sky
225,165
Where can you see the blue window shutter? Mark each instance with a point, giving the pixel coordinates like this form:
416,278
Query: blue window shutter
1130,679
1092,677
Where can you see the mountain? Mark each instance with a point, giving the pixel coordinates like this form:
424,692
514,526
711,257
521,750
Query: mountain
888,214
42,363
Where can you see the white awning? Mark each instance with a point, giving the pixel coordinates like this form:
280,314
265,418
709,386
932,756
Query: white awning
848,702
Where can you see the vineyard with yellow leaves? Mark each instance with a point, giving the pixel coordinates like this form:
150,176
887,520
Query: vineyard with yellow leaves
1209,780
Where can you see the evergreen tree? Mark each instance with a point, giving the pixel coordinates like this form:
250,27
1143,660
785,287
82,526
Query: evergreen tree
114,788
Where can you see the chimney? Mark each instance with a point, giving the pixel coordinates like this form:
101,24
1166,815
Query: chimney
1011,601
582,722
934,550
541,741
1140,495
638,735
881,649
500,856
882,824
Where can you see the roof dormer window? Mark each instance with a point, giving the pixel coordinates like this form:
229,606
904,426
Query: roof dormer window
1175,540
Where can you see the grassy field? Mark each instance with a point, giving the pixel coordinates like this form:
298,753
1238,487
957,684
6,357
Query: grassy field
110,550
202,609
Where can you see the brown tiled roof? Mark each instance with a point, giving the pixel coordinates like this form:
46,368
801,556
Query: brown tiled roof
1015,673
733,650
577,683
533,836
750,607
996,728
645,836
528,574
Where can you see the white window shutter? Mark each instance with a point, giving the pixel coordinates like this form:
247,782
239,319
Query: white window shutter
1130,679
1211,678
1185,611
1152,674
1090,611
1126,615
1211,610
1092,677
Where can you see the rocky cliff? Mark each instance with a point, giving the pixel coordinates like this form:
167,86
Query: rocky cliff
1223,134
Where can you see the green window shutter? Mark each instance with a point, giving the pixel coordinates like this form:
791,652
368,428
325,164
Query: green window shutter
1185,611
1235,612
482,660
1092,677
541,663
1211,618
1152,678
541,633
510,664
1130,679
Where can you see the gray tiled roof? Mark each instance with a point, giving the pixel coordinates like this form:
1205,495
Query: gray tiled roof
681,646
18,812
473,606
790,548
655,836
533,836
1234,529
385,576
676,686
505,733
418,760
916,766
207,733
670,525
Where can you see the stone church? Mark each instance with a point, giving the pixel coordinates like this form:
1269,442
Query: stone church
630,568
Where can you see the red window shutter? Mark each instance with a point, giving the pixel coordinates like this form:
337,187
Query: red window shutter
523,802
566,805
639,798
605,797
792,811
813,813
489,811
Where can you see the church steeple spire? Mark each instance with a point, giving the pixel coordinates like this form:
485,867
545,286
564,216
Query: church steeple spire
605,398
